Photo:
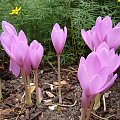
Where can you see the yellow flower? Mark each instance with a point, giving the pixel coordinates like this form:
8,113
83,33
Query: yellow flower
118,1
15,11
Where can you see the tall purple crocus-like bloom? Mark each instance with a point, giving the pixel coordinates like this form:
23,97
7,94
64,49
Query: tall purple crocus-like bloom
58,37
102,32
17,48
14,45
35,54
95,73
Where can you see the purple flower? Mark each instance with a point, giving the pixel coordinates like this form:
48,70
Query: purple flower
102,32
35,53
95,73
15,46
108,57
58,37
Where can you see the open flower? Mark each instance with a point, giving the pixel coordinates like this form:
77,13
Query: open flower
58,37
15,46
108,57
95,74
102,32
15,11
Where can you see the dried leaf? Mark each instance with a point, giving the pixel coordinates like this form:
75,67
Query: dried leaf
53,107
106,95
48,101
49,94
32,87
62,83
97,102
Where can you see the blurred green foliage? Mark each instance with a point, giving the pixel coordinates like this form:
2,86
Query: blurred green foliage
37,17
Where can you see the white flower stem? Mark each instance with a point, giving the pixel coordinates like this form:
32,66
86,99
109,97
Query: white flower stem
38,101
82,117
27,92
90,109
59,80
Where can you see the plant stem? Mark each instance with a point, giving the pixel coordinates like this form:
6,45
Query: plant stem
90,109
38,101
59,80
29,89
27,92
82,117
0,89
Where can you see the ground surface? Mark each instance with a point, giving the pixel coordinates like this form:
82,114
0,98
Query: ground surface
12,106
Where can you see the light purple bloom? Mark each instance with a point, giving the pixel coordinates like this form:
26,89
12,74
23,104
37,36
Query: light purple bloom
15,46
102,32
35,53
108,57
95,73
58,37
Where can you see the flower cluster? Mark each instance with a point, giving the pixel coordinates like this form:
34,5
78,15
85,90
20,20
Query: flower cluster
22,56
102,32
95,73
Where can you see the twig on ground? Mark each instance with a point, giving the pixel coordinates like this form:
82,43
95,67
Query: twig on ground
63,105
101,118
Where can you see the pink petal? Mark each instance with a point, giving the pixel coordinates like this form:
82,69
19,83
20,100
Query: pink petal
82,61
102,45
65,31
98,21
103,27
9,28
56,26
22,37
103,73
87,38
61,41
35,59
95,40
114,63
117,26
116,43
93,64
19,50
104,57
113,37
99,80
6,42
83,77
108,84
93,85
112,52
14,67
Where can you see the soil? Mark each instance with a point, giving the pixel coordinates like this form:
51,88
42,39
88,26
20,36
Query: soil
13,107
